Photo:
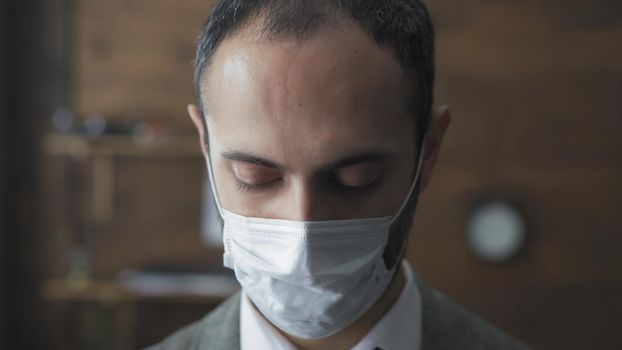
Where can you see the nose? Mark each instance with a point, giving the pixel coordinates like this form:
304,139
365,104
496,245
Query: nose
303,203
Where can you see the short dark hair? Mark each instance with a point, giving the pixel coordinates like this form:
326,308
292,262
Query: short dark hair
403,25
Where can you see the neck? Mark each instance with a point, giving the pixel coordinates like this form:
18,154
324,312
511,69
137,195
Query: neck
351,335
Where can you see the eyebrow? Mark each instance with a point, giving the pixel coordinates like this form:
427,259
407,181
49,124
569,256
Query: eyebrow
244,157
359,158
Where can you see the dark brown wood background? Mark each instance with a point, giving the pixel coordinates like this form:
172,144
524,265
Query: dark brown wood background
535,87
536,91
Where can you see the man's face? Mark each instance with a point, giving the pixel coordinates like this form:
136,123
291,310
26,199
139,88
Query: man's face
318,129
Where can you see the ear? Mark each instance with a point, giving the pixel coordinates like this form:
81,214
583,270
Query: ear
433,141
197,119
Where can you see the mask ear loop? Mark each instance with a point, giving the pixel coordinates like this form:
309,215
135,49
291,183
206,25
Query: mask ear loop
210,173
228,259
413,186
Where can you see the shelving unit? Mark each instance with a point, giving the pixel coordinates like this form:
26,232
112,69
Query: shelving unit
120,301
121,145
105,149
88,175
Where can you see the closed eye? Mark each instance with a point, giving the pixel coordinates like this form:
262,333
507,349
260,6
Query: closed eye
359,176
246,187
253,176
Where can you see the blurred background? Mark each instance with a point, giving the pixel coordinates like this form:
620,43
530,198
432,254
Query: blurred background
108,238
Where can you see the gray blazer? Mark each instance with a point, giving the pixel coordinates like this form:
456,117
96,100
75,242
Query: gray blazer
446,326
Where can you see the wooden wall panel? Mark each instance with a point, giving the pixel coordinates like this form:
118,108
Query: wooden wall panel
536,93
134,57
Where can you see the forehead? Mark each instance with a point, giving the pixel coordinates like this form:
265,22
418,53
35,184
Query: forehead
332,92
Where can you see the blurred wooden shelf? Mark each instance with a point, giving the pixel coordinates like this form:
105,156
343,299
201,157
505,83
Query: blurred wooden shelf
114,292
103,152
75,298
120,145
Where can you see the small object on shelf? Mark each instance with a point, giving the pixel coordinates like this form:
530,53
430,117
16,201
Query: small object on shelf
95,125
150,131
63,119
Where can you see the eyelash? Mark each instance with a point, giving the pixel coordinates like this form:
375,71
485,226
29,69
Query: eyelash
354,189
244,187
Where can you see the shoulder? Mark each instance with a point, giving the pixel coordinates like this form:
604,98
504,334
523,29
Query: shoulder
217,330
448,326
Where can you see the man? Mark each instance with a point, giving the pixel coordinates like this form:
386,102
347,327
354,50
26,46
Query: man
318,130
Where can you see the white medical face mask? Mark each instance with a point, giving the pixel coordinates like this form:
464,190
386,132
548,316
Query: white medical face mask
310,279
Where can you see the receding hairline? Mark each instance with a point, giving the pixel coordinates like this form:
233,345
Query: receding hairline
405,26
255,30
